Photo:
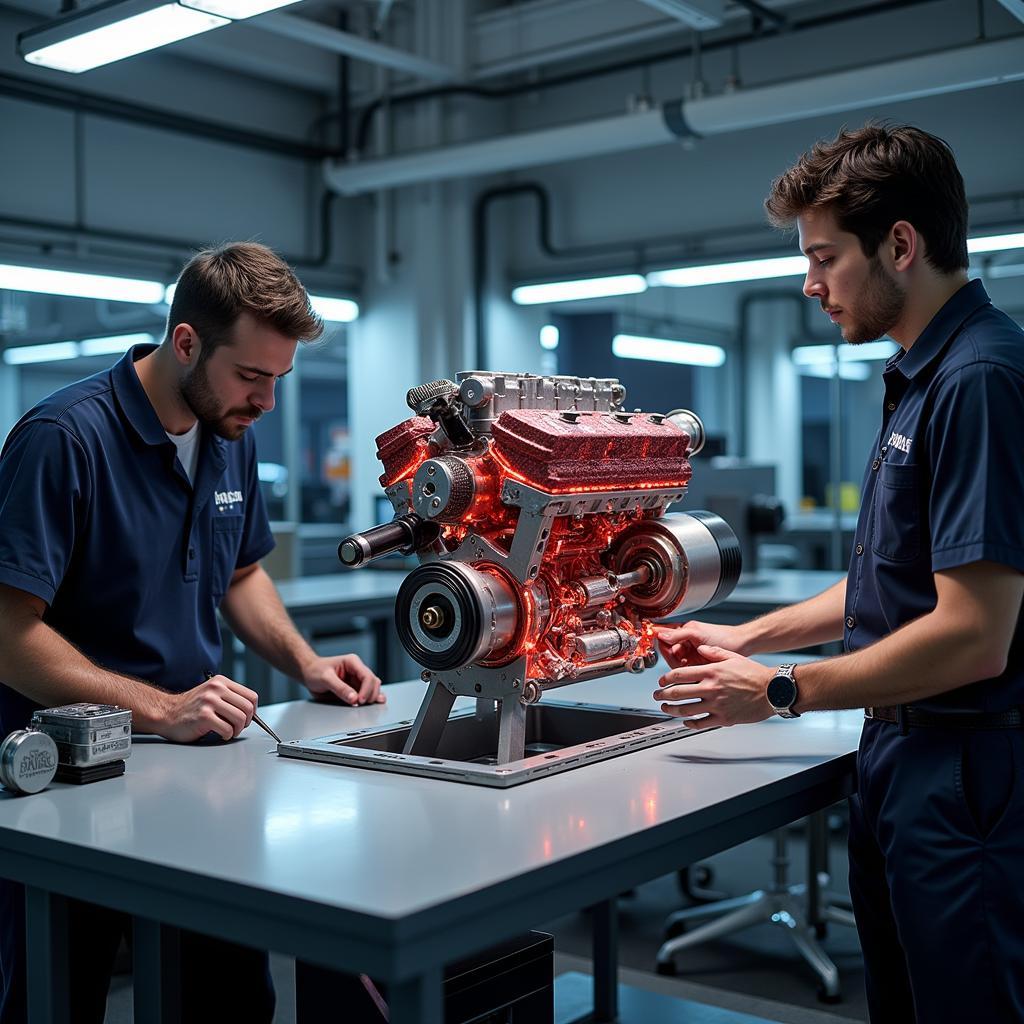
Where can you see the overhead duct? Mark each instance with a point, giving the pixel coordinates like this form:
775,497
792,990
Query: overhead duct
954,70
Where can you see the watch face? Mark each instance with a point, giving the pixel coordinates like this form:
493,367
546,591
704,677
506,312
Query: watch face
781,692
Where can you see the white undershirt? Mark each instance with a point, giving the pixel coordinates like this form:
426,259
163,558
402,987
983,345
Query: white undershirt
188,450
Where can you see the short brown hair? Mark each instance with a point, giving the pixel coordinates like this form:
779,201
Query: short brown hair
871,178
217,285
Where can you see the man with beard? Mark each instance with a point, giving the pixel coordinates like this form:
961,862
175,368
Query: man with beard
130,512
930,611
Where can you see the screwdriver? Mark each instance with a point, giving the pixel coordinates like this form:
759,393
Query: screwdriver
259,721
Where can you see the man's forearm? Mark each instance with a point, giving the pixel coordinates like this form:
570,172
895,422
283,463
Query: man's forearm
253,609
38,662
929,656
818,620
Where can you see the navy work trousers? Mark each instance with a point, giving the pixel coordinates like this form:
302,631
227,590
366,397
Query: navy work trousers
220,980
937,873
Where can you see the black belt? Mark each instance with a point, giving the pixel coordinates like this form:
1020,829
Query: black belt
906,715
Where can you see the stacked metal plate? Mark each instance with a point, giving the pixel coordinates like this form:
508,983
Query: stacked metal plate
92,740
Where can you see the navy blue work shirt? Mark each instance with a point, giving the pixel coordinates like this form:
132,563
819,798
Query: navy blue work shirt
945,483
99,520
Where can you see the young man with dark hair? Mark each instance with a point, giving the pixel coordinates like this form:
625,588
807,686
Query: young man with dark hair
130,512
930,613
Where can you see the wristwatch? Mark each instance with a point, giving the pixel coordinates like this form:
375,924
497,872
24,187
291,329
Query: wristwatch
782,692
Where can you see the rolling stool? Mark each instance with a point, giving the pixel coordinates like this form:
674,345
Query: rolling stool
780,904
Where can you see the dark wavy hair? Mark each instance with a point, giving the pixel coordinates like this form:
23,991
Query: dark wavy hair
217,285
873,177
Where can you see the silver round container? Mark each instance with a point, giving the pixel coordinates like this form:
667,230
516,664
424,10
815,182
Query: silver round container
28,761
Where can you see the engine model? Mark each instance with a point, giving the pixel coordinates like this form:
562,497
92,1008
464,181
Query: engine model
537,507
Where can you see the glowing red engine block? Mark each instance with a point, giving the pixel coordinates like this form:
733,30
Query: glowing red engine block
545,544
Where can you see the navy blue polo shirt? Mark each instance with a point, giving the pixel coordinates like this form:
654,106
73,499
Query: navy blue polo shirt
99,520
944,486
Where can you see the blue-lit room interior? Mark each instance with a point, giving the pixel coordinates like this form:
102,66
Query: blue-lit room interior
523,206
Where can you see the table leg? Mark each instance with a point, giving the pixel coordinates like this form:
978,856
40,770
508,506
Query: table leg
156,957
817,863
606,961
419,1000
46,940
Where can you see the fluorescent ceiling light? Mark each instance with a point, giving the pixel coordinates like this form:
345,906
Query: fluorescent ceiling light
109,32
583,288
549,337
342,311
847,371
710,273
725,273
996,243
237,10
58,350
41,353
662,350
823,355
113,344
1004,270
83,286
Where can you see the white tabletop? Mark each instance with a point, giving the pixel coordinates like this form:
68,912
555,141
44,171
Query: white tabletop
390,845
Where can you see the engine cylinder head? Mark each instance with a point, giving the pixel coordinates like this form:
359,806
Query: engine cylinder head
694,558
449,615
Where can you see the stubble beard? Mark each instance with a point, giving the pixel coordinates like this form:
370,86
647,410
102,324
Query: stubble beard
199,396
879,308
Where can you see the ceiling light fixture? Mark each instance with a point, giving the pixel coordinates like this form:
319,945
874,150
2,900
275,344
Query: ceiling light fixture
665,350
847,371
727,273
996,243
80,286
109,32
732,272
336,310
823,355
113,344
581,288
342,311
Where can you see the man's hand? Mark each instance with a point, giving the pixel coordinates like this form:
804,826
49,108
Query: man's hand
679,645
346,677
731,689
219,705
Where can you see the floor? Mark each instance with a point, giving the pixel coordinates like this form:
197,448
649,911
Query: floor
756,972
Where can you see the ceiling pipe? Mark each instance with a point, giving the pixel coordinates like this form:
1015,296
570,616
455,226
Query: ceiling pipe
932,74
349,45
698,14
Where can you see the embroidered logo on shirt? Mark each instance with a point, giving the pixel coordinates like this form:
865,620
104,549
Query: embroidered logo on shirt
901,442
223,499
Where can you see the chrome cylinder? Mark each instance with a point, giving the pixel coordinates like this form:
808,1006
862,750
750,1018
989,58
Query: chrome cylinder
603,644
695,558
28,761
449,615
